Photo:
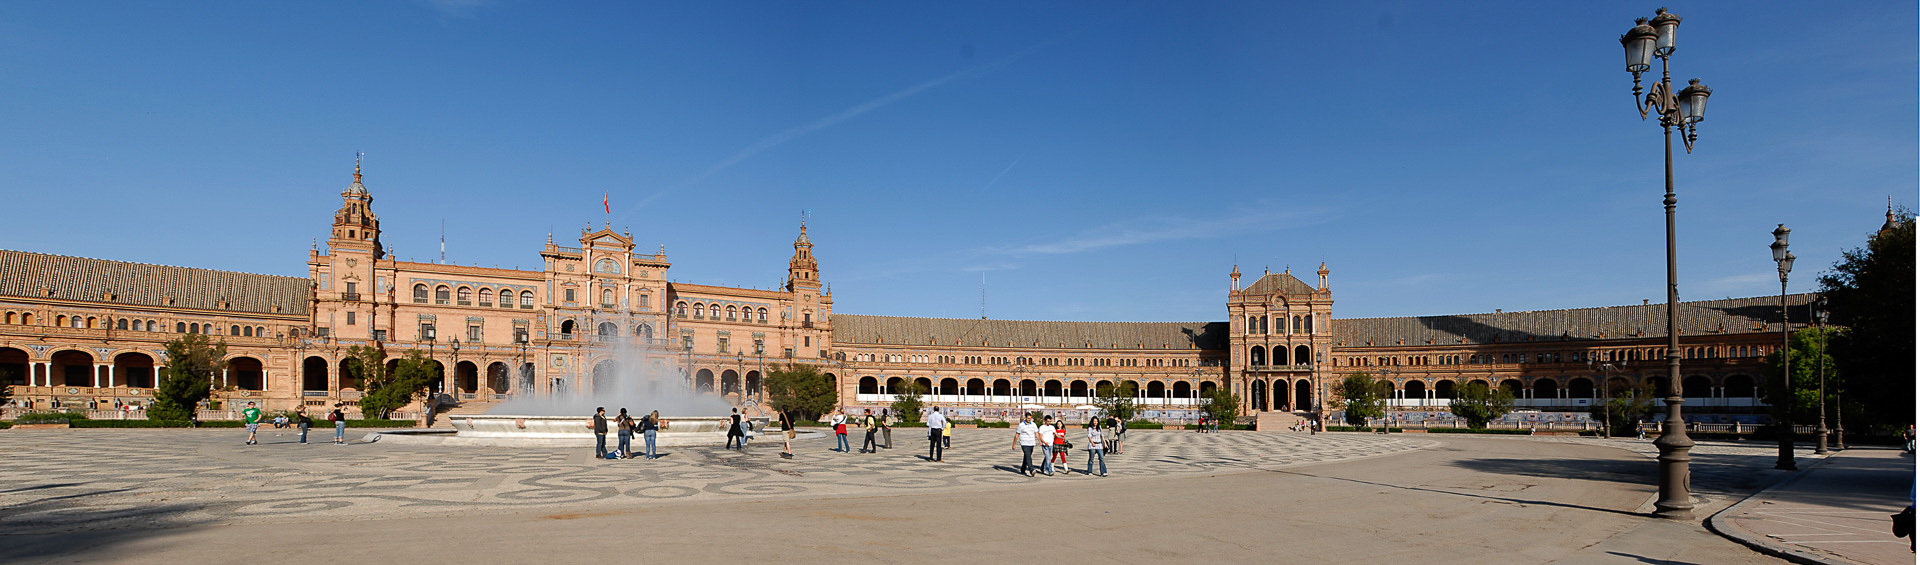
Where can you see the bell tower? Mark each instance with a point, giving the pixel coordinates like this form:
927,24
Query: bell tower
802,272
355,227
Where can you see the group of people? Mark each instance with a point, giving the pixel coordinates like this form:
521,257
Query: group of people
625,426
1053,443
879,431
252,415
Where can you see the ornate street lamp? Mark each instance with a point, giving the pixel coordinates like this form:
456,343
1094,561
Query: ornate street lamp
1820,317
455,383
1682,110
1783,402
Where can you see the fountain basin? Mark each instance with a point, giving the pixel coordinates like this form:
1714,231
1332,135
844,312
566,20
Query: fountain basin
508,430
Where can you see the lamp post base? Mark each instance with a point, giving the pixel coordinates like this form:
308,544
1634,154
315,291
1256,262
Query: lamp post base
1820,443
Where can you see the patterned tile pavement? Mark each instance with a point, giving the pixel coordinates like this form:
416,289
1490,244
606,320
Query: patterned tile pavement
66,480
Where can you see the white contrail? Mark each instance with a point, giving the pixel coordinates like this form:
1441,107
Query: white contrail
1003,172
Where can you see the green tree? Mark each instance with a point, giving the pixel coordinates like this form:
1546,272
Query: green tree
801,391
187,378
408,381
1807,359
1116,400
1478,404
906,401
1870,294
369,365
1360,394
1222,405
1624,408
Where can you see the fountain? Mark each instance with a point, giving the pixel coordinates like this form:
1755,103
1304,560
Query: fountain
623,375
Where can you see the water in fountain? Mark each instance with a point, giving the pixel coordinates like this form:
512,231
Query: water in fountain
625,375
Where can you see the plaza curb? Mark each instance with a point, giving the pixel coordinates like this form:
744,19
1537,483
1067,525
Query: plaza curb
1720,524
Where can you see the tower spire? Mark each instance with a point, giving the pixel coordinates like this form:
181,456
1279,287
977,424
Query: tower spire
357,157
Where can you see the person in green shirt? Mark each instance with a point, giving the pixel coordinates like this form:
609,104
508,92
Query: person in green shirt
252,415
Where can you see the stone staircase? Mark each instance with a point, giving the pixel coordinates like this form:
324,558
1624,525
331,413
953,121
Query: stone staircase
1276,421
443,418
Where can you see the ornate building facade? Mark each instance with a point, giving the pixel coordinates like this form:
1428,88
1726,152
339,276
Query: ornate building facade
90,333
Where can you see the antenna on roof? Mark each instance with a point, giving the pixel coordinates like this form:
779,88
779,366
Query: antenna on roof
983,295
443,241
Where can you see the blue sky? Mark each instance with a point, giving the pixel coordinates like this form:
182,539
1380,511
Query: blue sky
1094,161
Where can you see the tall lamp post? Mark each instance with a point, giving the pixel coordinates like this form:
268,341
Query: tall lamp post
1783,402
455,388
1820,317
1680,110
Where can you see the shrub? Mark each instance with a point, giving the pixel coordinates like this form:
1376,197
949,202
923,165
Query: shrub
1359,429
1145,425
978,423
1474,431
1222,426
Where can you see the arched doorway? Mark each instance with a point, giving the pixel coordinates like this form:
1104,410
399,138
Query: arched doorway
1156,389
526,378
868,385
1546,388
1738,386
1028,387
133,370
1443,390
246,373
1696,387
729,383
1302,355
703,382
1280,355
497,379
1580,387
1302,395
350,377
1514,387
1207,387
72,368
975,387
1659,386
313,374
753,383
1281,400
1414,390
466,376
1257,356
13,366
1003,388
1077,390
1258,394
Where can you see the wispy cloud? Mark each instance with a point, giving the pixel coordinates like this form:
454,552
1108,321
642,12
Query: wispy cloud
1142,231
459,8
1003,172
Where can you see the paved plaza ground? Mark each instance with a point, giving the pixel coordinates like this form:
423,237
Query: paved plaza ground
200,496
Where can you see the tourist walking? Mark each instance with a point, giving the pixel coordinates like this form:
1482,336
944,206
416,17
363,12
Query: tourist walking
734,435
624,424
1046,445
649,429
252,416
946,433
839,421
886,428
1119,430
339,420
936,428
599,427
1060,444
300,417
786,429
1025,436
872,425
1095,447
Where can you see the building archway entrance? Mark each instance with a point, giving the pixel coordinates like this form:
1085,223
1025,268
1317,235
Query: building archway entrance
13,366
133,370
74,368
466,377
497,378
1258,394
246,373
313,374
703,382
1302,395
604,374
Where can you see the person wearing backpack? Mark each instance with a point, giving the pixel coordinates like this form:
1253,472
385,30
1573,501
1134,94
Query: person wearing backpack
839,422
624,424
786,429
886,427
650,428
599,426
872,425
339,420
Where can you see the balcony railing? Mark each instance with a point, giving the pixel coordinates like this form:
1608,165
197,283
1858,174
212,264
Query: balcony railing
350,296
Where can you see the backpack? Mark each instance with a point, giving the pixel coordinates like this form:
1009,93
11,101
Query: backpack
615,454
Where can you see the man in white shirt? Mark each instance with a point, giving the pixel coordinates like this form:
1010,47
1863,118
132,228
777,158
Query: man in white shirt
935,423
1025,436
1046,446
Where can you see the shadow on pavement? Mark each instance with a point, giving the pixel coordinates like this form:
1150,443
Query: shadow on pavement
1610,470
86,530
1464,494
1645,559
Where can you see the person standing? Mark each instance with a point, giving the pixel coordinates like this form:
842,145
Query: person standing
1096,447
872,426
252,416
839,421
1060,444
786,429
624,425
936,428
1046,445
649,430
946,433
1025,436
339,419
300,417
599,427
734,435
1119,435
886,427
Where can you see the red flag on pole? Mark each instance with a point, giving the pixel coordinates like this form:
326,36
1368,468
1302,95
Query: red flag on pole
605,202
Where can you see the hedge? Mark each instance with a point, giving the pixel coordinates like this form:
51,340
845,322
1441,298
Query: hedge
1223,426
5,425
1481,431
1145,425
1359,429
986,424
78,422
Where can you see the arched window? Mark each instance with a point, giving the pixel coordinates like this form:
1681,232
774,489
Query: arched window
179,327
260,331
193,328
1257,356
1309,323
233,331
526,299
466,295
680,309
121,325
606,297
440,295
486,296
419,293
26,318
1302,355
247,331
1263,324
60,321
763,315
699,310
643,331
730,312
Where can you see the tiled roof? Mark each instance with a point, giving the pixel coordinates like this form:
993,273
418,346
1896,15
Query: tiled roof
40,275
1278,283
1705,317
893,330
